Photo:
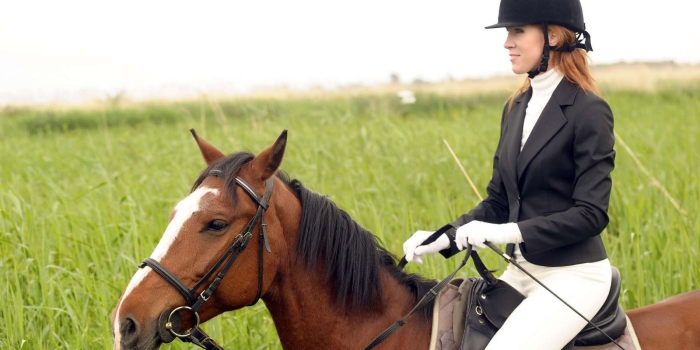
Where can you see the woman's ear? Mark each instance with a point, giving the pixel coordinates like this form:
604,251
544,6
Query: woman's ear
553,39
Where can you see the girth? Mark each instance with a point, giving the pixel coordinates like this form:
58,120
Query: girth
169,320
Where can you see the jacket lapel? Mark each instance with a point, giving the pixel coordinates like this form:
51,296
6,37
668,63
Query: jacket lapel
514,123
548,124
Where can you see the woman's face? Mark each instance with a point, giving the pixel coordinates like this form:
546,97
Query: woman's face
524,45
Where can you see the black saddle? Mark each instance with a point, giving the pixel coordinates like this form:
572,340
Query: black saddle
493,300
610,318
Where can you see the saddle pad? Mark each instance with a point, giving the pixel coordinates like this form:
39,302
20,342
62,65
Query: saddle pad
628,340
441,337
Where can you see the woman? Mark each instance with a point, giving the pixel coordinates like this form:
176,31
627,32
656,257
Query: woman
549,193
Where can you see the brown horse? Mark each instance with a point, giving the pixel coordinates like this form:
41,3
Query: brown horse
326,281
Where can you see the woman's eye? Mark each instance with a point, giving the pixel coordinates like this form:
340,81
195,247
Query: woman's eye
215,225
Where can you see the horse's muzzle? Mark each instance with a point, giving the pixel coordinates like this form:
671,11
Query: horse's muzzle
137,336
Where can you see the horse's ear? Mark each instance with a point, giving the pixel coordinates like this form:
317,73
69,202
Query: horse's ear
268,161
209,152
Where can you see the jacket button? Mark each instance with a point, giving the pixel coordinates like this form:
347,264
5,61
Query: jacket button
518,199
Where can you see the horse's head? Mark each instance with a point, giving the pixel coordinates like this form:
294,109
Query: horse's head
217,228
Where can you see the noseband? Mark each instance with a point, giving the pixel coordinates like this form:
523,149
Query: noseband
196,335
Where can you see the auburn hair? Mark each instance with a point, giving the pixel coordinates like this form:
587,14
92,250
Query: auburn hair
574,65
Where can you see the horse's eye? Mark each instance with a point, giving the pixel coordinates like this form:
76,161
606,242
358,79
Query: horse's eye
215,225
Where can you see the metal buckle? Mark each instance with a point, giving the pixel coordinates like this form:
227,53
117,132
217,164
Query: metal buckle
203,297
169,324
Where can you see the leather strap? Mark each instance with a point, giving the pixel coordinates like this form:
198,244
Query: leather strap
261,242
262,201
241,242
234,246
200,338
485,273
170,277
544,63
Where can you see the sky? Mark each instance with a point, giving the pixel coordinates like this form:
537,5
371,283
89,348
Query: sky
75,51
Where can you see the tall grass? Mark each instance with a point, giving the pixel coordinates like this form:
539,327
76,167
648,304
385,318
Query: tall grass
85,195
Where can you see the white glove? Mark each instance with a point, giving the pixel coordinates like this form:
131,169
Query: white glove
477,232
414,250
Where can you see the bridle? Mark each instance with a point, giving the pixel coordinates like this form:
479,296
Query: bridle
169,320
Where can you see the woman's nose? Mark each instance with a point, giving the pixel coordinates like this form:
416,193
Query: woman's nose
509,44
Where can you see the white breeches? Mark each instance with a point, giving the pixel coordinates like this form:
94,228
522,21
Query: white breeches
543,322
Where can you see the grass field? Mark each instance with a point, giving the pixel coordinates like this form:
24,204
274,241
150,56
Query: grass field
85,194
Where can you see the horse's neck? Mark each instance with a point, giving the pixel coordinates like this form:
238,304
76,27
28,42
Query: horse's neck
307,317
304,309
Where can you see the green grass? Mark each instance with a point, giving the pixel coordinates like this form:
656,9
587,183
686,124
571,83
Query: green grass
85,195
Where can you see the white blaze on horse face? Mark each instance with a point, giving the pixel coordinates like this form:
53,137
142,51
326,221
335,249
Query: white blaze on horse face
183,212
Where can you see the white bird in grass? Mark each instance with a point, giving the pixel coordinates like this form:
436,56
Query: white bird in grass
407,97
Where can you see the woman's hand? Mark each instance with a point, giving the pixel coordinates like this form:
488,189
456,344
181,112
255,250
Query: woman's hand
478,232
414,250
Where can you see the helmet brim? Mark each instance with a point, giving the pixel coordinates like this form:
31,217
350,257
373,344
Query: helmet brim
506,24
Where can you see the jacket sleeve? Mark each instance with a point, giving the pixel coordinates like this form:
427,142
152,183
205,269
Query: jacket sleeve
493,209
594,159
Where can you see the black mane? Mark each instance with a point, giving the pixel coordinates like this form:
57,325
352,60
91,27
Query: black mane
350,254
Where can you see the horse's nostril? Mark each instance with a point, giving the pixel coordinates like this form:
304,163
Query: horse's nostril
129,331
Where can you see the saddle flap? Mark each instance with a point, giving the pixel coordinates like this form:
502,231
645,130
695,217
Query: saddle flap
478,331
498,301
608,311
483,309
610,318
615,328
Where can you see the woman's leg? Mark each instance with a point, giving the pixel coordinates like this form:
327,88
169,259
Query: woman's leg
543,322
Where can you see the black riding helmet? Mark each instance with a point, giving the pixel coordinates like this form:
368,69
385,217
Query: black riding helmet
566,13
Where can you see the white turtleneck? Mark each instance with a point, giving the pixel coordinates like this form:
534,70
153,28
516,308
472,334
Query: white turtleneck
543,85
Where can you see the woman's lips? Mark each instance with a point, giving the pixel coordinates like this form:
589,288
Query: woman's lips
513,57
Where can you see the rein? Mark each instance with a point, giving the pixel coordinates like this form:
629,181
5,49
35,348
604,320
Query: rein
169,320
